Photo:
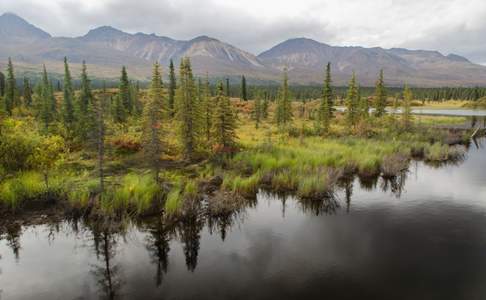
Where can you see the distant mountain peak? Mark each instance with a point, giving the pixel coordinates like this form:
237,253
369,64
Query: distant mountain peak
105,32
14,27
203,38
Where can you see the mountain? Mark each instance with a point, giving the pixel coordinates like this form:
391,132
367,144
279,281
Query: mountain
306,59
106,49
17,30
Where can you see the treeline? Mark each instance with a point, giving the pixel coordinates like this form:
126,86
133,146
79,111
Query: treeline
78,119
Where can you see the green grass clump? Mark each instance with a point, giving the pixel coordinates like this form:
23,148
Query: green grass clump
28,186
246,186
135,192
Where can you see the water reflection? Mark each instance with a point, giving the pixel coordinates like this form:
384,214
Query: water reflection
158,246
360,242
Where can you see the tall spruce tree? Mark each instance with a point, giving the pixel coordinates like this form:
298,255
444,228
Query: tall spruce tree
224,124
10,96
101,137
27,93
283,114
118,110
124,92
85,110
265,105
244,95
352,102
325,112
207,110
187,107
258,110
68,99
153,113
380,96
46,113
135,95
172,89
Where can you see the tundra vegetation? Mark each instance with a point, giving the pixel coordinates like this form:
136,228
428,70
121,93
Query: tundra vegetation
167,148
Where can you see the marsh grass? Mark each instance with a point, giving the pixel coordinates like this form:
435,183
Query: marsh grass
25,186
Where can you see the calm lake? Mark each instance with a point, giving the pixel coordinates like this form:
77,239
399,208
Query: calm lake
419,236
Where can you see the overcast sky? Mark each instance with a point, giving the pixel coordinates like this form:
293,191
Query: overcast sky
450,26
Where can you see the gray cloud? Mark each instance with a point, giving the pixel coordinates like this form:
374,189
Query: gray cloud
255,25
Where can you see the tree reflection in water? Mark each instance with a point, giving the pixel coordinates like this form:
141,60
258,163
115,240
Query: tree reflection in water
107,273
158,246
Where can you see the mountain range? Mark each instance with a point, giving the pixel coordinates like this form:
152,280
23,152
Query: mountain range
106,49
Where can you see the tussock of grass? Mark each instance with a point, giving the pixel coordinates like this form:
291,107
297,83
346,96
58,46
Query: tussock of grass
135,192
28,186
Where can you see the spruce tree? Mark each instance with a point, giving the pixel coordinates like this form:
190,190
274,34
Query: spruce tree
224,124
407,107
265,105
172,89
325,112
10,95
187,107
46,113
284,106
2,84
380,96
124,92
85,111
27,93
352,102
207,110
68,99
119,113
153,113
244,95
135,95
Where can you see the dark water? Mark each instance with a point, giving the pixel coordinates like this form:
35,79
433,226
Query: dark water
421,236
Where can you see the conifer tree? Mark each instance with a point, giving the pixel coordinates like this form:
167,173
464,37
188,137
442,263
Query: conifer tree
134,94
244,95
119,113
27,93
407,107
85,111
124,92
10,96
352,102
172,89
380,96
46,96
68,99
101,137
284,106
153,113
2,84
325,112
224,124
258,110
207,110
85,95
187,109
265,105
